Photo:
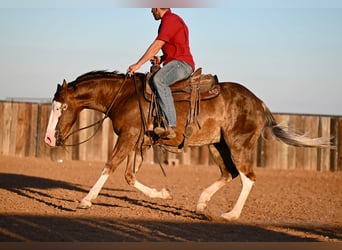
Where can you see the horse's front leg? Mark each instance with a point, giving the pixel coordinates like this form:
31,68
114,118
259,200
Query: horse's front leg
95,190
134,163
120,152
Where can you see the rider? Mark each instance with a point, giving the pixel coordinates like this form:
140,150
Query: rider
173,40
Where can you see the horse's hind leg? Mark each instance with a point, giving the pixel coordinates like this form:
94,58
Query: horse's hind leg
221,155
242,157
247,185
134,163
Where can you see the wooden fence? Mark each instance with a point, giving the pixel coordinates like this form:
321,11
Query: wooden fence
22,128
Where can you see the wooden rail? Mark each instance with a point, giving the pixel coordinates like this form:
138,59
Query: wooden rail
22,128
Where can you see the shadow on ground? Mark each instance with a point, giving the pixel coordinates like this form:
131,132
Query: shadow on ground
47,228
70,227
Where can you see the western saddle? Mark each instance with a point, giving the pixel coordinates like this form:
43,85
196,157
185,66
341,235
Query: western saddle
196,88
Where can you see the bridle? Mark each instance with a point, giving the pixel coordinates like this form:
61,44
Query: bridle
98,123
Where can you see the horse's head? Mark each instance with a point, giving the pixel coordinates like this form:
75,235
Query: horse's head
63,115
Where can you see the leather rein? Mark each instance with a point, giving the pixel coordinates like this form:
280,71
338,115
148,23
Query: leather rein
99,122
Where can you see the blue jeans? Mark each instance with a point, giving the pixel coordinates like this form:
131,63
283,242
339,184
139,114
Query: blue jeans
172,72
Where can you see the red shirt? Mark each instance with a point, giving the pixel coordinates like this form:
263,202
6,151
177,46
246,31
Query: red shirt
174,32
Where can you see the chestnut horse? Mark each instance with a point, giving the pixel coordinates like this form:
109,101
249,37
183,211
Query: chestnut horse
230,125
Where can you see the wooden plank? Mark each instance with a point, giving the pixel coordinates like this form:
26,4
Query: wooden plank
31,148
91,152
82,134
112,138
325,153
195,155
311,124
98,147
260,151
14,129
75,139
71,145
103,139
22,134
172,159
297,126
334,131
339,146
148,157
85,120
26,131
254,155
186,156
271,156
72,152
204,155
43,150
2,129
159,155
95,144
283,152
6,127
266,156
292,151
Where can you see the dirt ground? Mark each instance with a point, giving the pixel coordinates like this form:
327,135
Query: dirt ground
38,200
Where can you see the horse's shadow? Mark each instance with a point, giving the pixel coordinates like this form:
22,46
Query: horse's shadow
38,189
164,208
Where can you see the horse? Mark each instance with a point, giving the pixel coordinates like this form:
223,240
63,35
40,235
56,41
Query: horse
230,125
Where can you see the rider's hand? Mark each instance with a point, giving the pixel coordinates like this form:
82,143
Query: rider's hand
134,67
155,60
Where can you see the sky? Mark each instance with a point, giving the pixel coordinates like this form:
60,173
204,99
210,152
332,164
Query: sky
288,53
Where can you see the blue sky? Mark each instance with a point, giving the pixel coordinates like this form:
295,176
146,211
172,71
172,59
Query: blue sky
289,54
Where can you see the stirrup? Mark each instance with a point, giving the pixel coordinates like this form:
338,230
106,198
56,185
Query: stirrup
159,130
170,134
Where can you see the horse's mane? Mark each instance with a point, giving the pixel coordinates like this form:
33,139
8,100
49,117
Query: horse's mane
95,74
99,73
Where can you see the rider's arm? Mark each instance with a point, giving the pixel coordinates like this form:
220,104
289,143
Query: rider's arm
150,52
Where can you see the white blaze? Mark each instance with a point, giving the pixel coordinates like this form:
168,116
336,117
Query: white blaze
55,113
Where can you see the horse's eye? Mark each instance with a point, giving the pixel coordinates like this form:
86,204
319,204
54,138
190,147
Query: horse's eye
64,106
57,107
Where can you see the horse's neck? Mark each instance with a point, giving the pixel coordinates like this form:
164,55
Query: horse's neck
96,95
100,94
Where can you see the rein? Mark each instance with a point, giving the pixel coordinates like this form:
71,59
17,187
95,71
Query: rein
143,119
99,122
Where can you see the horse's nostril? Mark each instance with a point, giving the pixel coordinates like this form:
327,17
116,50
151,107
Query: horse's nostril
48,140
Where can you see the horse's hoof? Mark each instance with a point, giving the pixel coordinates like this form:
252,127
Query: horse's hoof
200,208
230,216
167,195
84,204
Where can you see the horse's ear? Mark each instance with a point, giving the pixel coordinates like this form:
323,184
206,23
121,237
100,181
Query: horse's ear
61,88
64,84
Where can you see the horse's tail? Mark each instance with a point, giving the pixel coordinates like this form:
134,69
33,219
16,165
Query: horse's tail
292,138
